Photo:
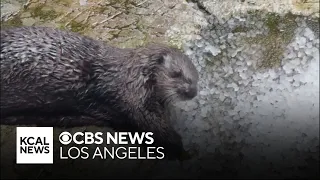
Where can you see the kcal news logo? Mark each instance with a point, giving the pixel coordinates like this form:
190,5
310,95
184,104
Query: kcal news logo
34,145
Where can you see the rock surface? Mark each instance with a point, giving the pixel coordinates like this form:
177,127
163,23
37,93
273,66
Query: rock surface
257,112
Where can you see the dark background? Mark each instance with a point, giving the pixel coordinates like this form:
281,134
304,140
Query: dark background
216,165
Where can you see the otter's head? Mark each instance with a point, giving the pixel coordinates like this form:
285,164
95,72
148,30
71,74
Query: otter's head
176,77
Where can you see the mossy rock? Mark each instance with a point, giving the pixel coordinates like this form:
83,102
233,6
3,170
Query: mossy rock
43,12
15,21
277,39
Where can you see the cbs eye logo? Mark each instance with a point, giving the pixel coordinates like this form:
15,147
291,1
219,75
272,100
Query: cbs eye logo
65,138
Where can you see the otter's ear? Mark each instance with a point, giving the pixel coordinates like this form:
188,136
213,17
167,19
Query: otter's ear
165,60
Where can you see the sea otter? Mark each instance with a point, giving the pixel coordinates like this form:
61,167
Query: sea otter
46,71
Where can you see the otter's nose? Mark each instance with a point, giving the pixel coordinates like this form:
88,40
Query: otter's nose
191,91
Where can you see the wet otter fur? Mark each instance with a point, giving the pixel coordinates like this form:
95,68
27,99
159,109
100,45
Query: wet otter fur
46,71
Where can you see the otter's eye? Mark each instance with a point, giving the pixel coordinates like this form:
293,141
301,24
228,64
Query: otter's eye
177,74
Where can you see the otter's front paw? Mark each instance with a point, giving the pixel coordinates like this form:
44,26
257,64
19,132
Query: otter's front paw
185,155
189,154
173,145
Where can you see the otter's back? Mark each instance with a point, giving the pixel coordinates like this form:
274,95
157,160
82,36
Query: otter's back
41,62
26,43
